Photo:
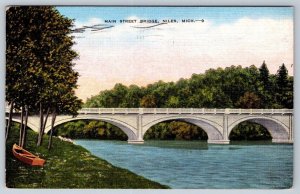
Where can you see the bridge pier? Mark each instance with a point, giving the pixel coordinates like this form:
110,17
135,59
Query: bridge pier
217,141
139,135
208,141
135,141
225,129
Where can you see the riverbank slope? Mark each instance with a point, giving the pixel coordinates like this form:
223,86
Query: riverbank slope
67,166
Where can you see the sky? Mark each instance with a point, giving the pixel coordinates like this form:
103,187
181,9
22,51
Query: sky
128,54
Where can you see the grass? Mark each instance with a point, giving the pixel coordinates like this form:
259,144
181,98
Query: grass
67,166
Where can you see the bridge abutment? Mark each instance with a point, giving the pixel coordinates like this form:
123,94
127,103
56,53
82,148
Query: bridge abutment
287,141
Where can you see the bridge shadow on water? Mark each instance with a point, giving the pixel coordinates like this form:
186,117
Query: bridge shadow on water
202,144
176,144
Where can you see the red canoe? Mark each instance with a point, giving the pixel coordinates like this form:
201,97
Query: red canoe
27,157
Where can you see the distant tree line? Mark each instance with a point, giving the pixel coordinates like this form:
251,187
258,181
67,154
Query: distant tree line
232,87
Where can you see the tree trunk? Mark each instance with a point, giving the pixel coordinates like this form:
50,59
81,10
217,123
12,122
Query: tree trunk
9,119
51,131
41,134
41,125
45,121
21,127
24,128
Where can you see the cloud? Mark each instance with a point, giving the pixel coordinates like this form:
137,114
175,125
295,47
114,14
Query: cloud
91,21
168,52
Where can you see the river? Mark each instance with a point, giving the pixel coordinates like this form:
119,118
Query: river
197,165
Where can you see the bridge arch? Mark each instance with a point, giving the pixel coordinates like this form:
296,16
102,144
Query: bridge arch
126,128
29,124
278,130
212,129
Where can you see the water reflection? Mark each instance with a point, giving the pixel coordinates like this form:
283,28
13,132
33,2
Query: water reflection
195,145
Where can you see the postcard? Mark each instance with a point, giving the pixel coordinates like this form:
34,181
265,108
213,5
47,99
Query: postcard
110,97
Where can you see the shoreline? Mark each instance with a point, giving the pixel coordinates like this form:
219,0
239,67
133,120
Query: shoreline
68,166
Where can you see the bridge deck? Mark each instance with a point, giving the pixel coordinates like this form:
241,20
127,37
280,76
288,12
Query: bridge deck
178,111
182,111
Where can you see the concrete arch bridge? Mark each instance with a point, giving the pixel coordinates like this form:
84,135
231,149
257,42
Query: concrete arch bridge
217,123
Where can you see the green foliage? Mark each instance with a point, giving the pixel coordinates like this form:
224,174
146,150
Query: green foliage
148,101
39,62
39,57
265,89
249,100
282,77
249,131
231,87
67,166
177,130
132,97
173,102
264,75
86,129
284,89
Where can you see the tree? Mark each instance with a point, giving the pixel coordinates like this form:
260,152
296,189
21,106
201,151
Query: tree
173,102
264,75
21,65
39,62
8,123
148,101
119,92
249,100
284,88
66,103
282,77
265,89
132,97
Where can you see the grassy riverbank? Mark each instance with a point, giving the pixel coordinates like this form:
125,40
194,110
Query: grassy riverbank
67,166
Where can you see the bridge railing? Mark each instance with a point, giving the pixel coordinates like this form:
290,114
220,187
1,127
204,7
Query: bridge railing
178,111
181,111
